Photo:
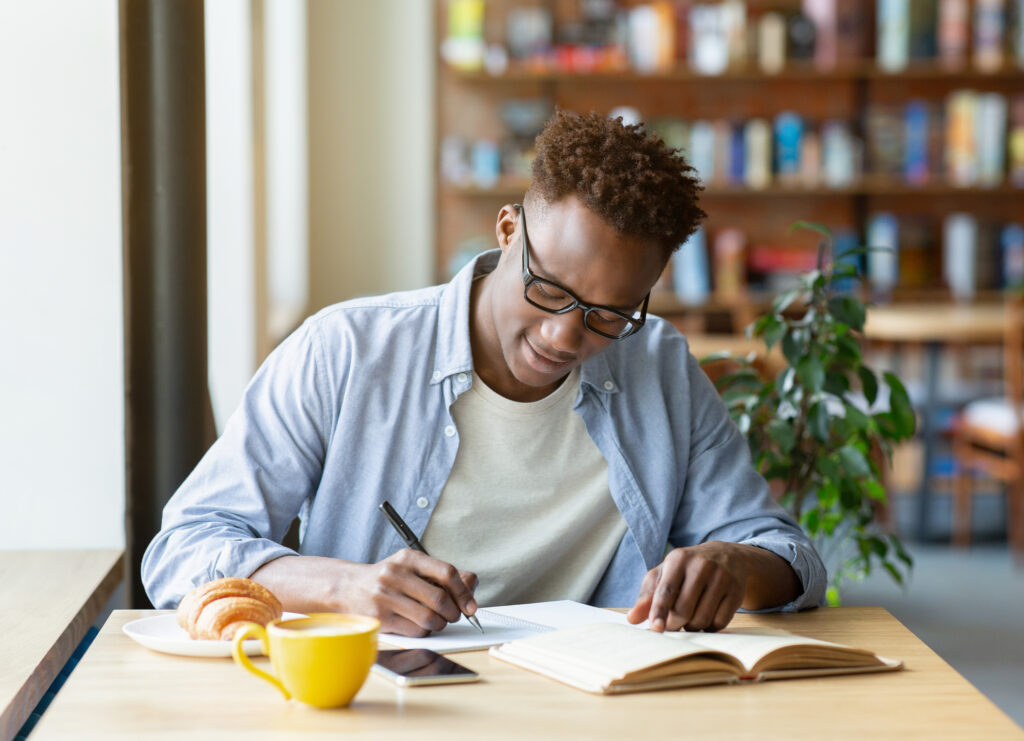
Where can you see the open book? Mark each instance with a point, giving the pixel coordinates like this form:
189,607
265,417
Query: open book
613,658
508,623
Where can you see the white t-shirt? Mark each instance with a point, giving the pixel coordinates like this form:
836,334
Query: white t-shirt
527,505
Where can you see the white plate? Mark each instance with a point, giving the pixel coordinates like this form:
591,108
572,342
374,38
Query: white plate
162,633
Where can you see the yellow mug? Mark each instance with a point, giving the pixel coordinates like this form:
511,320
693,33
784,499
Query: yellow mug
321,660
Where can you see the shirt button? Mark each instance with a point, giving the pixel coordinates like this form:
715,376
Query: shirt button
437,375
462,378
422,502
449,431
608,385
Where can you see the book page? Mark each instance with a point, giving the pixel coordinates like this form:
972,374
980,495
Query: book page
610,651
751,645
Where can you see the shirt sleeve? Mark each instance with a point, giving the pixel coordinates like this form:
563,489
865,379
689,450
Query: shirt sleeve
726,499
230,514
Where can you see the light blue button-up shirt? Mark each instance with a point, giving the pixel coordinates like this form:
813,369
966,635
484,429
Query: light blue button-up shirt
355,407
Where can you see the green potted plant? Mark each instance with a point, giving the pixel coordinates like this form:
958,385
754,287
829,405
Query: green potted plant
822,430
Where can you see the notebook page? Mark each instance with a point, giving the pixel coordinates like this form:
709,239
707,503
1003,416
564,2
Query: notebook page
507,623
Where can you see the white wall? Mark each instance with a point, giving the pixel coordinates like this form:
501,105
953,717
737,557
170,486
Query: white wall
61,323
371,68
230,257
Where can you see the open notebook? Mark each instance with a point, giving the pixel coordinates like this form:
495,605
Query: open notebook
508,623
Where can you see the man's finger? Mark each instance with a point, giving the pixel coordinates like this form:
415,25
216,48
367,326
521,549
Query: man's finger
666,592
447,578
641,608
716,588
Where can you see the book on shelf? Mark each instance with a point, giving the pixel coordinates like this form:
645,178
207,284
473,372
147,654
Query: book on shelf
789,129
960,254
1011,246
989,28
1015,141
771,43
757,154
916,142
613,658
922,29
990,134
822,14
961,143
953,33
730,274
691,281
892,48
884,130
883,259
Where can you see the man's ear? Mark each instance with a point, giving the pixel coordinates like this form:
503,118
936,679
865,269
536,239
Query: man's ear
506,227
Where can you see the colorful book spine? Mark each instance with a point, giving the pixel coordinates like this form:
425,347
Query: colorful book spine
702,150
953,33
1015,144
730,264
709,45
1017,33
961,143
737,154
757,149
837,154
922,31
960,254
463,48
771,43
722,151
691,281
789,129
915,142
989,27
883,259
893,34
990,130
826,42
1011,242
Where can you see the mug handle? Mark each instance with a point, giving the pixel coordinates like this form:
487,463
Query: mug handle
257,630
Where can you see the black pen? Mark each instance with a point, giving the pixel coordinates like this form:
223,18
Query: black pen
413,542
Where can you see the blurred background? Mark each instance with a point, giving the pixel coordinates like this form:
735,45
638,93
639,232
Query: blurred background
356,147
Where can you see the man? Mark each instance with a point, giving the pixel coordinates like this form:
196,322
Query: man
528,420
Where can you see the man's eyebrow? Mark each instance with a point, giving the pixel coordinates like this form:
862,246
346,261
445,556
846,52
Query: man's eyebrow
545,276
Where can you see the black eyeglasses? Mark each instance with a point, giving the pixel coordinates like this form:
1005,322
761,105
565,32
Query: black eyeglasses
555,299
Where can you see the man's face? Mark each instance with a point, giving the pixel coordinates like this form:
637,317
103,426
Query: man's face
570,246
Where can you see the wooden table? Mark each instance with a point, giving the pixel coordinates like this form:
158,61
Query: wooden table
934,325
121,690
48,600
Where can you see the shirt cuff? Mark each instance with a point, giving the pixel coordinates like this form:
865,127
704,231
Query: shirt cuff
242,557
808,567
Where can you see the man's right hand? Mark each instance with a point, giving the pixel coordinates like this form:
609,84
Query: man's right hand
410,592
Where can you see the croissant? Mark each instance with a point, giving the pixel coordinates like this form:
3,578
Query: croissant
215,610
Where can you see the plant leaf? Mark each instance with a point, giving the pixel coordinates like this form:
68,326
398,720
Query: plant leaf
868,383
854,461
782,433
899,404
819,422
811,373
847,309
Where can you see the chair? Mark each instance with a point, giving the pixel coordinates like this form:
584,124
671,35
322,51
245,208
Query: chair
989,436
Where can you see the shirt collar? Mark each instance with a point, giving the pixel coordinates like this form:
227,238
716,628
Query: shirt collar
454,353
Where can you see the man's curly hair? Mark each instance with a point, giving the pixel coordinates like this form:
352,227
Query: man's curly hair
628,177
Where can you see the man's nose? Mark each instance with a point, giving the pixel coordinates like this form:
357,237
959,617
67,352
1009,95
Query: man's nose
564,332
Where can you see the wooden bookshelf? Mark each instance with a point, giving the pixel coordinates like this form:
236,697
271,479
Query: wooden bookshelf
469,105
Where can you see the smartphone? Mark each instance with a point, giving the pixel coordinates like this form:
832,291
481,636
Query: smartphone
415,666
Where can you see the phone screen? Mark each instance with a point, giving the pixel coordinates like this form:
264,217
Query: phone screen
421,666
